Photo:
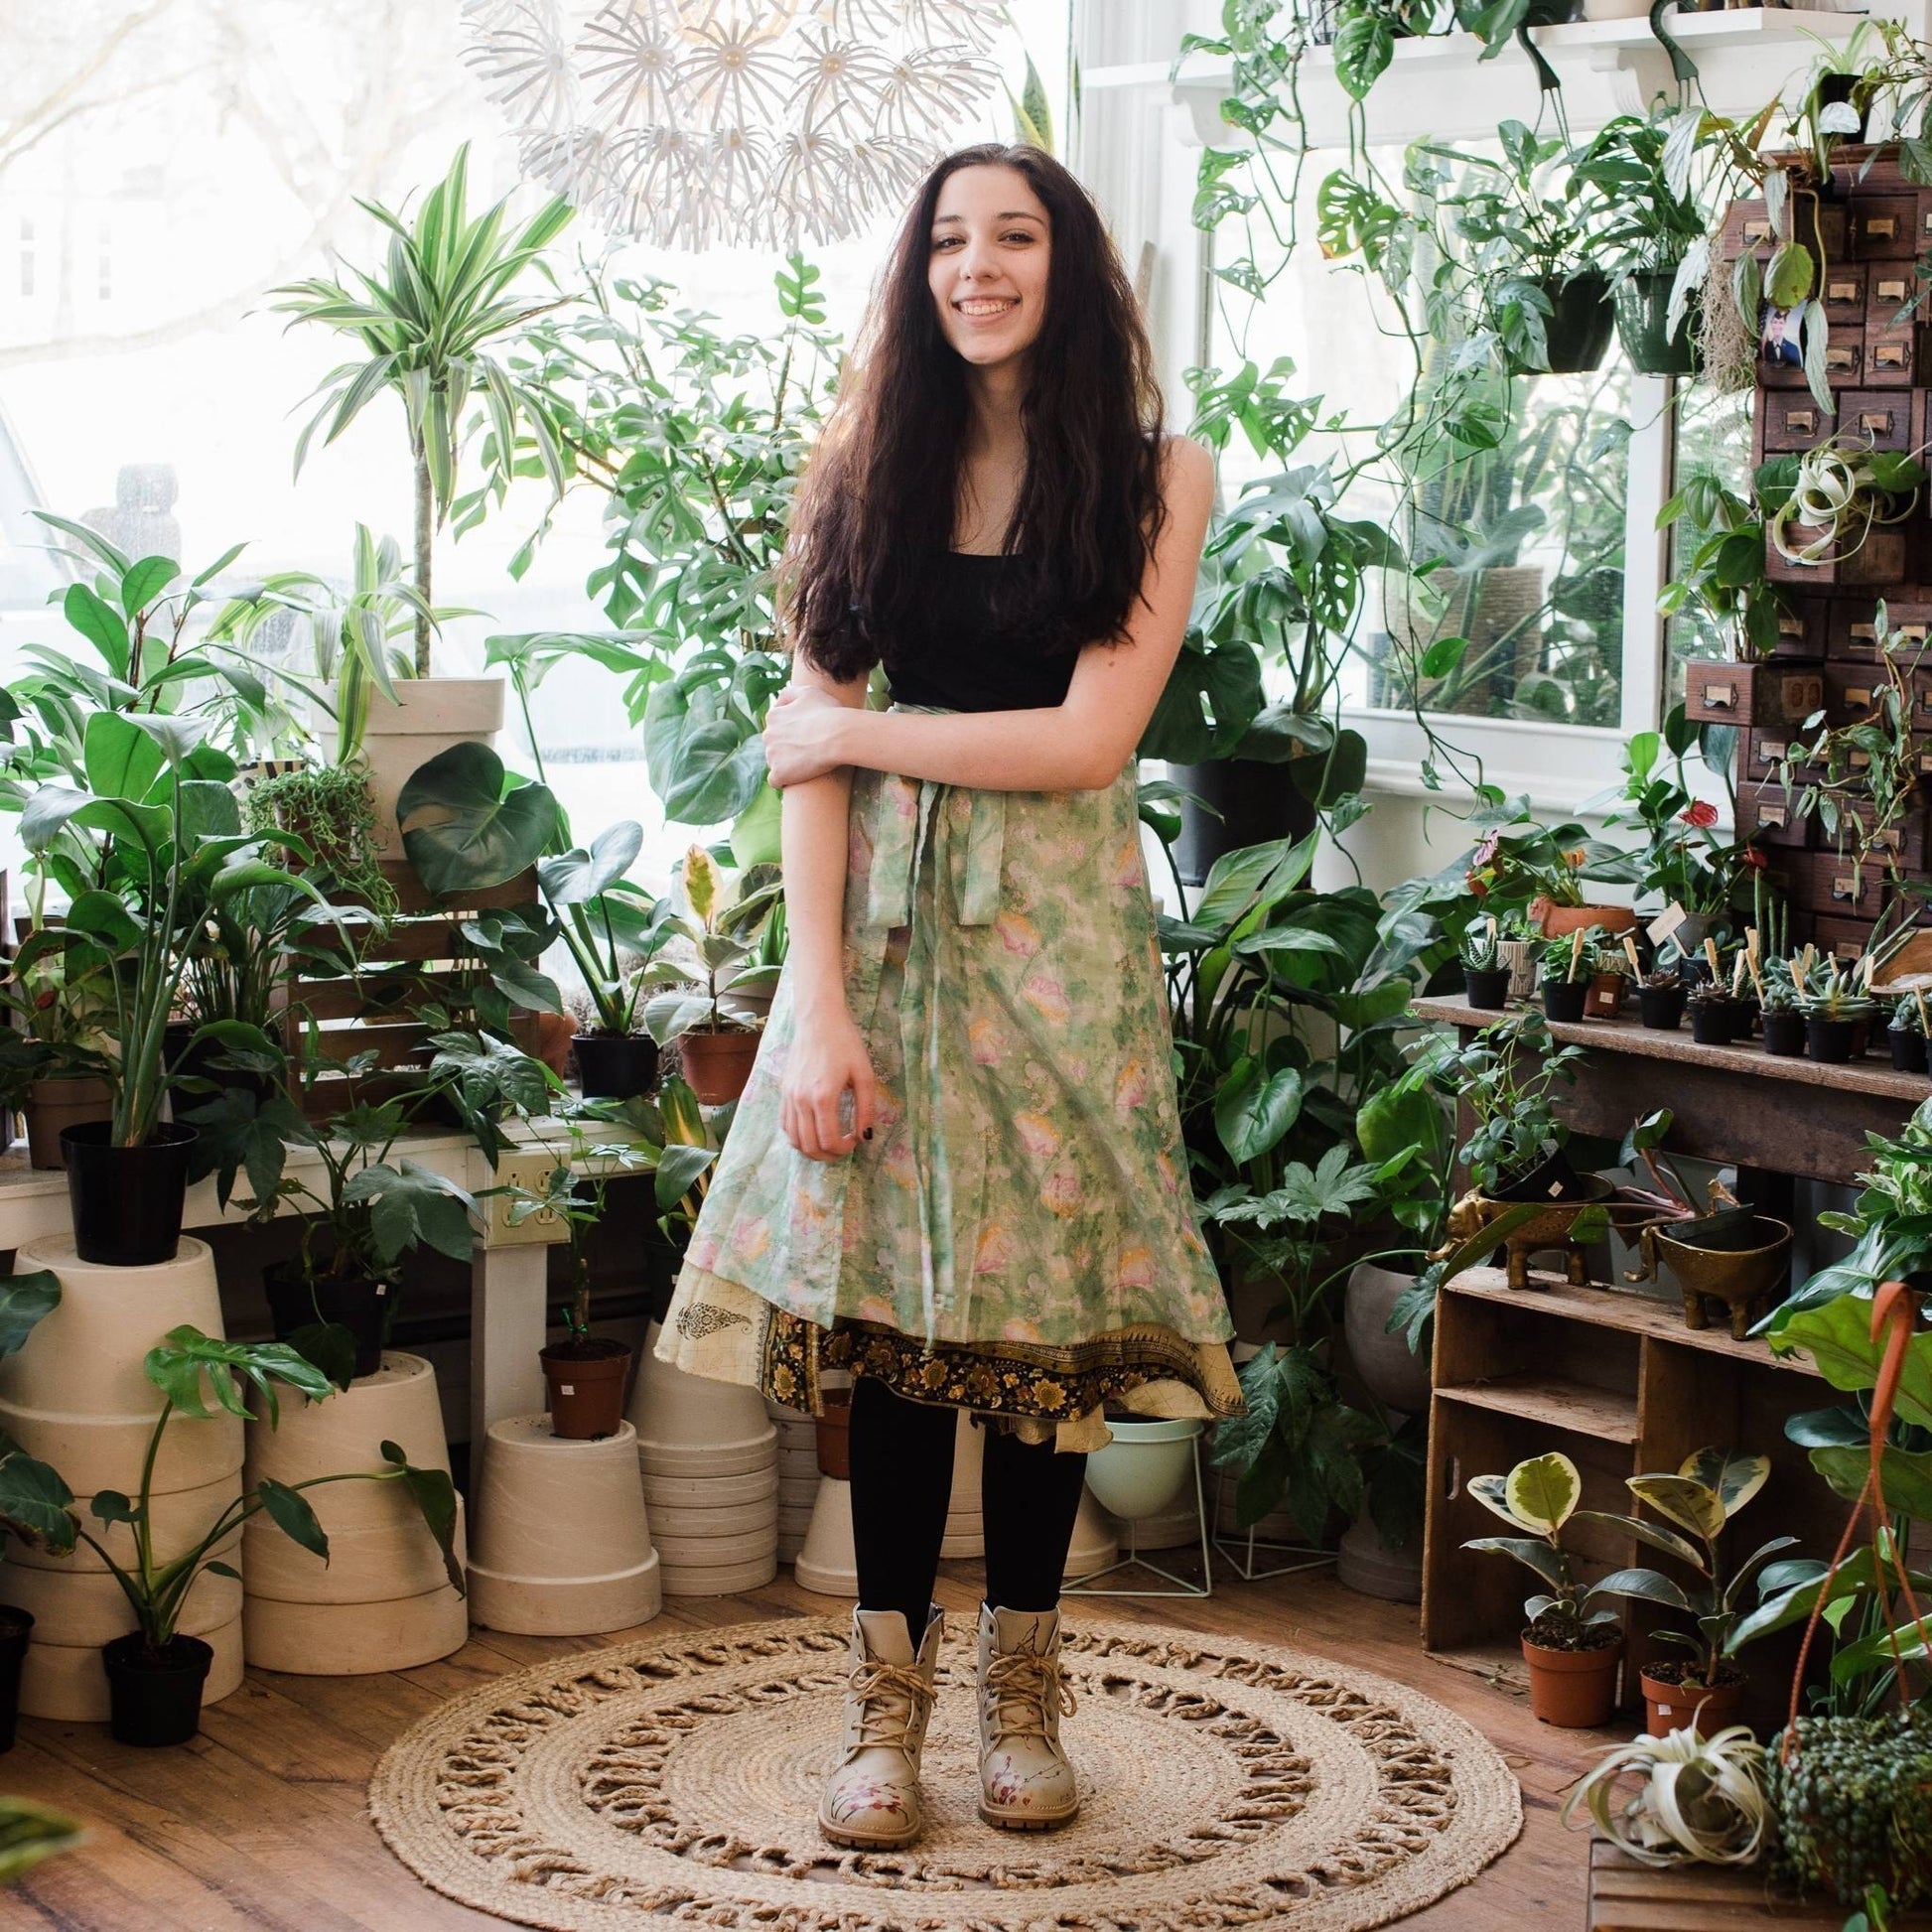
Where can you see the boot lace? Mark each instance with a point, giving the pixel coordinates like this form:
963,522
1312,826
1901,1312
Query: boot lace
1023,1687
892,1699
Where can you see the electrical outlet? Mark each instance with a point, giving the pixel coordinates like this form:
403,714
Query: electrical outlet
544,1228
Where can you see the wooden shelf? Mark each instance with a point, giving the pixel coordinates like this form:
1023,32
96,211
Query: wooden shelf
1620,1309
1625,1897
1553,1402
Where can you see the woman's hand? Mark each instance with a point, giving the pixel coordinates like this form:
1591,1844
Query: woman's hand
801,732
826,1059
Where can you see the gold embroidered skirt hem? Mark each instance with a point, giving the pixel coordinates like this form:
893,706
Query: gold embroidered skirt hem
725,1331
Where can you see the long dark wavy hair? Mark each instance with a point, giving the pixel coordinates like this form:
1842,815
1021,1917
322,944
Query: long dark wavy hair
878,493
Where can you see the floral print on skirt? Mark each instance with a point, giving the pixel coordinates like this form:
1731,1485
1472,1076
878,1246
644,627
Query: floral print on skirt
1019,1235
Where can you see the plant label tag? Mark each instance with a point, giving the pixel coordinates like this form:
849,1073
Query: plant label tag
566,1388
1556,1188
1664,924
382,1288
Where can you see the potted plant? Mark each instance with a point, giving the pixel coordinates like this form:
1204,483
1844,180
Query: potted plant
55,1064
1572,1640
717,1039
1565,974
434,323
1661,995
1529,235
1714,1014
1701,1500
1508,1077
1834,1012
155,1674
1611,970
1700,1798
1485,979
150,870
1781,1016
1542,871
612,928
1823,506
1906,1033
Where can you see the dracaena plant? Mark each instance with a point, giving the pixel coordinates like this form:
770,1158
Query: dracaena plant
188,1367
436,322
148,857
1699,1500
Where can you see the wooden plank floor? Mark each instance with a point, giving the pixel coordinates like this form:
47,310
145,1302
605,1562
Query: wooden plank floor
260,1821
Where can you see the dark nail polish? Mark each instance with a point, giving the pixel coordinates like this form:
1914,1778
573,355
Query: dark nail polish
867,1133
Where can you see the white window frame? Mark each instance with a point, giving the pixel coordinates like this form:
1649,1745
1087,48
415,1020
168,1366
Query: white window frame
1608,67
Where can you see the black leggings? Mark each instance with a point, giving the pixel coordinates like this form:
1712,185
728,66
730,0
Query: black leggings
901,1477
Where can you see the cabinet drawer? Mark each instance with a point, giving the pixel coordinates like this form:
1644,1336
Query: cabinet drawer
1820,225
1840,940
1846,293
1893,358
1888,289
1803,630
1852,632
1904,838
1766,754
1831,884
1880,414
1850,691
1884,558
1765,817
1884,227
1792,420
1776,693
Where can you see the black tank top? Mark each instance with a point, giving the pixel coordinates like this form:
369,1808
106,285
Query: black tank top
961,659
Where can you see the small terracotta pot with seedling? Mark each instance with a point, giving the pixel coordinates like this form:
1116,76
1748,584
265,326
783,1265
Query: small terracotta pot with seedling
1615,969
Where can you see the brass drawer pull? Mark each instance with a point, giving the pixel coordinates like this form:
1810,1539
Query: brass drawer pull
1720,697
1891,291
1847,292
1774,816
1802,421
1876,420
1889,355
1854,693
1841,358
1885,225
1758,232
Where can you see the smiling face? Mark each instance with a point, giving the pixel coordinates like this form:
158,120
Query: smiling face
989,251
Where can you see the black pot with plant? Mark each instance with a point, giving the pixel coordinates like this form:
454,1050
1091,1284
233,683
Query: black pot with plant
1485,975
1715,1015
1660,1000
1834,1017
1907,1036
1567,965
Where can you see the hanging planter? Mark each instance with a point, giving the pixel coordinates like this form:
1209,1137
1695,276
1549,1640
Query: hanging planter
1643,325
126,1201
1577,329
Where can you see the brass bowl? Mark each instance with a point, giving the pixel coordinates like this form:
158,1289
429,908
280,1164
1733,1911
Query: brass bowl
1744,1280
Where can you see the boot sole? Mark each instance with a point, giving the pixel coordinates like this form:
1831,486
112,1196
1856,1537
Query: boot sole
1033,1821
851,1840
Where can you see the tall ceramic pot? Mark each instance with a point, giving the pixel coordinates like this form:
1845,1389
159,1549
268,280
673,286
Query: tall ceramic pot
1396,1375
429,716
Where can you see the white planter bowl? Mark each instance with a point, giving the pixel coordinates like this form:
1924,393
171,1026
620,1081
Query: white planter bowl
1141,1472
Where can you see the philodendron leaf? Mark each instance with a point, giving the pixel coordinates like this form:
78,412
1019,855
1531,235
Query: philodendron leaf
1543,1491
578,875
435,1495
35,1503
24,1300
292,1514
461,830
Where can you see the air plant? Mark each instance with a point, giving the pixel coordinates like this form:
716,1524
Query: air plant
1839,492
1701,1799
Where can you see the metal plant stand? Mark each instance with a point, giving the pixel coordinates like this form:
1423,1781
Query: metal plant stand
1088,1585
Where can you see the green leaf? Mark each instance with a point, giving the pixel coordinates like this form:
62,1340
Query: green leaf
291,1513
678,1169
460,832
1837,1334
1905,1475
435,1495
1734,1478
1542,1491
120,760
145,582
1649,1584
100,623
1690,1505
1533,1554
1789,275
578,875
35,1505
1364,47
24,1300
1253,1109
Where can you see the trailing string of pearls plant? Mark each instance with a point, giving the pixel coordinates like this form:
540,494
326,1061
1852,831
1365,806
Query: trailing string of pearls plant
748,122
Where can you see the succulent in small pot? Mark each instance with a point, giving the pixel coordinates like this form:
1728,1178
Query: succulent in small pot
1835,1011
1701,1798
1572,1640
1780,1015
1714,1014
1566,974
1661,998
1485,975
1906,1035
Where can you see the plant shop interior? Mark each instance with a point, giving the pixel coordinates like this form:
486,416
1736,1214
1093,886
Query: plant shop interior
405,409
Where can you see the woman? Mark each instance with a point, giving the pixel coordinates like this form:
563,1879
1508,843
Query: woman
958,1170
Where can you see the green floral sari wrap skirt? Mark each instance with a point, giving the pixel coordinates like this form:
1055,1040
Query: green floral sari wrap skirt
1017,1237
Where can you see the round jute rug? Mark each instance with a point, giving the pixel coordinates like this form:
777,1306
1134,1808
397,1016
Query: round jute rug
1224,1783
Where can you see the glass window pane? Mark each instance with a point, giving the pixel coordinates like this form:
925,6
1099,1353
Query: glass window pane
1714,436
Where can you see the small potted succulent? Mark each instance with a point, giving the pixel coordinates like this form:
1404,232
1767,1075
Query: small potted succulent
1906,1035
1613,968
1566,974
1660,999
1485,976
1714,1014
1780,1014
1834,1013
1572,1640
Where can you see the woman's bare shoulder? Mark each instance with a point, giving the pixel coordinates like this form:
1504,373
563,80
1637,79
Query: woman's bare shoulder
1186,465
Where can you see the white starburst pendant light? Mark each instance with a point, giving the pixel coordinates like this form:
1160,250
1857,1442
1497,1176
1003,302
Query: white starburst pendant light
756,122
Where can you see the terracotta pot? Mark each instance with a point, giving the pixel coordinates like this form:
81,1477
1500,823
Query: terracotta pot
1559,921
835,1436
1574,1689
716,1065
1670,1706
1607,991
55,1104
1393,1373
584,1382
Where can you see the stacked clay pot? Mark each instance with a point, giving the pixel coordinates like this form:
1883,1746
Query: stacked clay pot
965,1534
708,1456
1094,1546
382,1601
562,1541
797,1475
74,1395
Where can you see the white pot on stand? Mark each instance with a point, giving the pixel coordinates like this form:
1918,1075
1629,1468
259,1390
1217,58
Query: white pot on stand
431,714
76,1396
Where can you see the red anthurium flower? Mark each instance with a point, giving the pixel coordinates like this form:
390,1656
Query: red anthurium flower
1702,814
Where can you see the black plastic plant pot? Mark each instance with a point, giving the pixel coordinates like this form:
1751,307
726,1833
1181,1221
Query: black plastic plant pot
126,1201
16,1627
1714,1023
1643,315
615,1067
1907,1051
1554,1178
1784,1034
155,1698
1564,999
1829,1040
1578,333
1661,1008
354,1303
1835,90
1488,989
200,1064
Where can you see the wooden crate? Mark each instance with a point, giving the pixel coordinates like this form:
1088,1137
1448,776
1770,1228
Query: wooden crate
1625,1897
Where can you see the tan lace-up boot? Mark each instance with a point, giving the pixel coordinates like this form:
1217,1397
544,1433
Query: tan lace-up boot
1025,1782
872,1798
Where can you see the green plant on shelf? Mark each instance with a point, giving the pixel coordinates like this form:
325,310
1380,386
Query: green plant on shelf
1821,506
1908,1016
1571,957
1837,997
1479,948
